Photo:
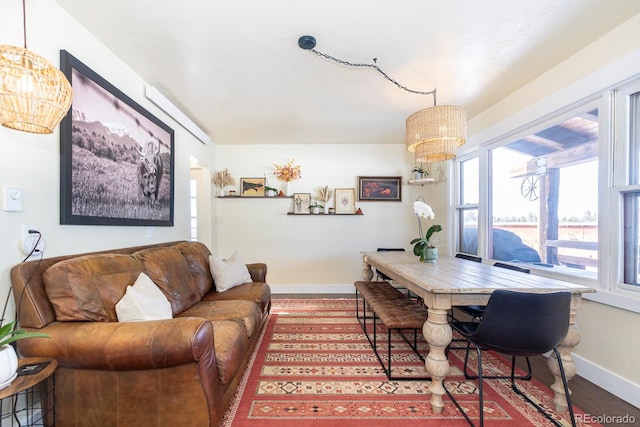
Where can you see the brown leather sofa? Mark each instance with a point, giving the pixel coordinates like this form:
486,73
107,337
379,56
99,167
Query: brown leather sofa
177,372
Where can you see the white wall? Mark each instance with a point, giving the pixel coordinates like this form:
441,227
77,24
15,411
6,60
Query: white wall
317,253
32,162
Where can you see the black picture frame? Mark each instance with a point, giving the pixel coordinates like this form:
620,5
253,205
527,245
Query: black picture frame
116,158
380,188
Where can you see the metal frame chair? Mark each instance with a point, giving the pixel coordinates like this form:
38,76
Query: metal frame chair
519,324
476,312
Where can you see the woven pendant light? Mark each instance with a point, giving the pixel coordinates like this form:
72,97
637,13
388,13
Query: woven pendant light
435,133
34,95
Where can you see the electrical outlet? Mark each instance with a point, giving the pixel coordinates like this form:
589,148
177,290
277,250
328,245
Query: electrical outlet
26,228
31,240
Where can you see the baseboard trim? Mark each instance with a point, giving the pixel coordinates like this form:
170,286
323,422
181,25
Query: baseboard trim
612,382
313,289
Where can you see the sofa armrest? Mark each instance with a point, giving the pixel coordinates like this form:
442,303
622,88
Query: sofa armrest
124,346
258,271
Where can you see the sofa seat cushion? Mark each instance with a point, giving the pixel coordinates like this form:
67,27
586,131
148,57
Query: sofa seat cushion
231,346
258,292
246,313
87,288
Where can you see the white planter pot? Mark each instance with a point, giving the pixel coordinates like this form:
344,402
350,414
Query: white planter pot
315,210
271,193
8,365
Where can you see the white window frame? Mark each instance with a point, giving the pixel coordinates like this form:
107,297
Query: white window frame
612,170
459,207
621,185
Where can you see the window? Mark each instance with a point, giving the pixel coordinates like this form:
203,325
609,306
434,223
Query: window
468,206
631,196
542,193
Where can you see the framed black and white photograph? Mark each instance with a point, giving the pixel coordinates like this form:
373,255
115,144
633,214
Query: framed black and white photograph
116,158
301,202
380,188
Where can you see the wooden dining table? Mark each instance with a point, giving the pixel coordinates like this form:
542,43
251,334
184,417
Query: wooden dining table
451,282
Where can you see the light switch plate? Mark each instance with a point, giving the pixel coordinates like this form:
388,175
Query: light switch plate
11,199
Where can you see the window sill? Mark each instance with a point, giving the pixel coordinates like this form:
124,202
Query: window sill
619,299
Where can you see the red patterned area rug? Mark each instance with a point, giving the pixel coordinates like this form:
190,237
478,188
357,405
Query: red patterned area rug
314,366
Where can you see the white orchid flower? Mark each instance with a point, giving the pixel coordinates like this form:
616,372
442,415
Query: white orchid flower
423,210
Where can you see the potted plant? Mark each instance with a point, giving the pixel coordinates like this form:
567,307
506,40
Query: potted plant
314,207
419,172
270,191
425,246
8,358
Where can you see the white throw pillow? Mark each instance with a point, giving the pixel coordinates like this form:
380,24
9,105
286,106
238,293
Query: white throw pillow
143,301
228,273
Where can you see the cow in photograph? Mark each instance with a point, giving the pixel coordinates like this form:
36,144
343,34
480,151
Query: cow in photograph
150,170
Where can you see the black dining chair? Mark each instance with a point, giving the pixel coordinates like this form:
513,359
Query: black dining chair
380,275
468,257
476,312
519,324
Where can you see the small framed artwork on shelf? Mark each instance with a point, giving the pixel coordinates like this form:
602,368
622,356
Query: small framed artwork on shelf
380,188
345,200
301,202
252,187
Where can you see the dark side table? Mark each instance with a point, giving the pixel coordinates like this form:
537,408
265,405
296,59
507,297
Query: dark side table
30,399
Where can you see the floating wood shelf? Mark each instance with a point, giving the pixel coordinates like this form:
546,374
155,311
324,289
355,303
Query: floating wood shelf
254,197
323,214
421,181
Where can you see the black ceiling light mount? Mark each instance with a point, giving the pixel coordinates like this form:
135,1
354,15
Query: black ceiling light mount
307,42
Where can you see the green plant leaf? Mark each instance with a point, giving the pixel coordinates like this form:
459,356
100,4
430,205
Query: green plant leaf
433,229
8,335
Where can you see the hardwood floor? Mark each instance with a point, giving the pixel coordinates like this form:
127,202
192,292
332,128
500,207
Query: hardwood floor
587,396
598,403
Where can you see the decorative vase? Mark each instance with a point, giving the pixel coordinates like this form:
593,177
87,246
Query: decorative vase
288,189
430,255
8,365
221,192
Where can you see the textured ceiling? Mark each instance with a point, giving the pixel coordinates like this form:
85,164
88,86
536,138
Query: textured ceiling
234,67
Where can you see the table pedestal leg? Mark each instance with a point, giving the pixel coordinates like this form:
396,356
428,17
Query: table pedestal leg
566,346
367,273
438,334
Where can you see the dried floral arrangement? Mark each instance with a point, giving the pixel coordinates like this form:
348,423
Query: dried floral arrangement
287,173
324,194
223,178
